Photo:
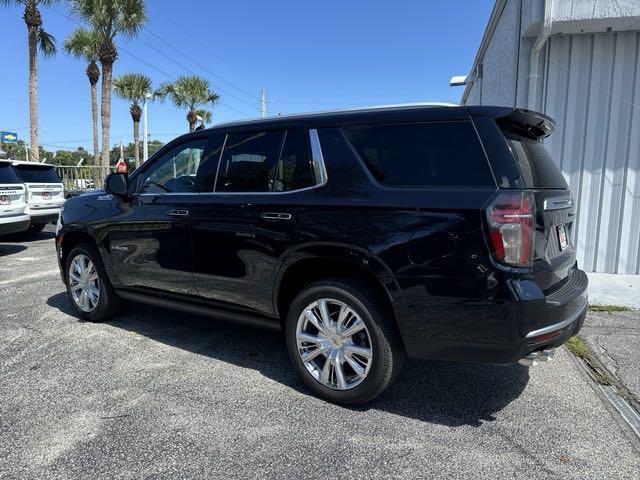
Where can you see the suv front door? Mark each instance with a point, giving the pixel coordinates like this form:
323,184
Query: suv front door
149,233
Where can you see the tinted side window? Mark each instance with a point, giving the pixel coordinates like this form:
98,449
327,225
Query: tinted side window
294,169
34,174
176,170
8,174
438,154
249,162
206,175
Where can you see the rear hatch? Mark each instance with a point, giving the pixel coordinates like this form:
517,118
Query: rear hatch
554,253
44,187
12,200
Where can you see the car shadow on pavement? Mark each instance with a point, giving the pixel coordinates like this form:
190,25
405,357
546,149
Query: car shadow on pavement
446,393
28,237
10,248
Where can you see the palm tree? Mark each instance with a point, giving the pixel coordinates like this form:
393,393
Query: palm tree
84,44
110,18
39,41
133,87
191,92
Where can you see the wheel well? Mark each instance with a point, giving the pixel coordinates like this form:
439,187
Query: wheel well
72,239
306,272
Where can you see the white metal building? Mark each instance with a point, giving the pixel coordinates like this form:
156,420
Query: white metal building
576,61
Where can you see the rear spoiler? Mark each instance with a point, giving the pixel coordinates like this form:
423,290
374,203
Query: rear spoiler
528,124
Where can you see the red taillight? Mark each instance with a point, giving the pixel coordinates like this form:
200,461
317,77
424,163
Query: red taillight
511,228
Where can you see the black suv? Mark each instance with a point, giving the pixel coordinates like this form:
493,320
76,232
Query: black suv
366,235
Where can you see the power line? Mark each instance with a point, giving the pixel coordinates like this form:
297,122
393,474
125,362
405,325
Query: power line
195,62
162,72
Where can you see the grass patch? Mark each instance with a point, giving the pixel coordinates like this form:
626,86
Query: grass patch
609,308
580,350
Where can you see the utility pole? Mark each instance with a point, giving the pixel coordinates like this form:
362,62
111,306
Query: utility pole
263,103
145,128
26,153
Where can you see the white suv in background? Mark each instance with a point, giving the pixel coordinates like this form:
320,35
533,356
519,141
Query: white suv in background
13,215
45,192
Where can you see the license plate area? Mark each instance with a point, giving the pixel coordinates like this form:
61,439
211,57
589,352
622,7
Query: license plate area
46,195
5,200
562,237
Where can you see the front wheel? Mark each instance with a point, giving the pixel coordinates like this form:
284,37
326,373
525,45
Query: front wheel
35,228
342,341
88,286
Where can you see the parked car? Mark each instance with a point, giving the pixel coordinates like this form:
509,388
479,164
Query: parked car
13,218
44,193
367,236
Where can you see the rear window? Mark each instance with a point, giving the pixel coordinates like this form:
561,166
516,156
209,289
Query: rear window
8,174
537,168
435,154
34,174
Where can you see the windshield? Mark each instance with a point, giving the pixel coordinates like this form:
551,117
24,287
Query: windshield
537,168
8,174
35,174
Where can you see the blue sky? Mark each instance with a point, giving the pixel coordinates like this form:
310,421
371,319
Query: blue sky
307,55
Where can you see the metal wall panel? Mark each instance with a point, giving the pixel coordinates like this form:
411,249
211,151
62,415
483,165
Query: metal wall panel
590,89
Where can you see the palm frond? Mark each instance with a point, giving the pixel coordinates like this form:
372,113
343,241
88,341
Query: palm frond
189,92
205,115
46,43
83,43
132,87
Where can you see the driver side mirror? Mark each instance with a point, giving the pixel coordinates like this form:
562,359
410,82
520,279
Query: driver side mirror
117,184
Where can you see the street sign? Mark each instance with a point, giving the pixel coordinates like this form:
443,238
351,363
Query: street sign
8,137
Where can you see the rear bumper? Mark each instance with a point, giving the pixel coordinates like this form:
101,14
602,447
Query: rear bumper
45,215
527,324
14,224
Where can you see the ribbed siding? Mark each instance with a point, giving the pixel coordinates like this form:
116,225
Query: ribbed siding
592,89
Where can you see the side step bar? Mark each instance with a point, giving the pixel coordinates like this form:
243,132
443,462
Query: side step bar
218,313
534,357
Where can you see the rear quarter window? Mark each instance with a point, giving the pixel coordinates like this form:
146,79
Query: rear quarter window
434,154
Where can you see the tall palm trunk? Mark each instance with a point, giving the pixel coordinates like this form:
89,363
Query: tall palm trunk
105,110
93,72
33,20
136,113
108,55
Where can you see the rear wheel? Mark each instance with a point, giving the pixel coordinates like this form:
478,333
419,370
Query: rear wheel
35,228
88,286
342,341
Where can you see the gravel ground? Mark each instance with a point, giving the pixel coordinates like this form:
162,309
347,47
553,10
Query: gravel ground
157,394
614,337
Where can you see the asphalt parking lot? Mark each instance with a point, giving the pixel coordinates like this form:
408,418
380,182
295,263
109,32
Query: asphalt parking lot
157,394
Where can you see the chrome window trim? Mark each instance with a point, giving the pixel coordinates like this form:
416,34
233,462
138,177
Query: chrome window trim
557,203
319,167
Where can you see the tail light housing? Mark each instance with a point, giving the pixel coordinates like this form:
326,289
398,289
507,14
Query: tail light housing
511,217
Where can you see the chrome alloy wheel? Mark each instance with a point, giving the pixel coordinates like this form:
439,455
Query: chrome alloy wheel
84,283
334,344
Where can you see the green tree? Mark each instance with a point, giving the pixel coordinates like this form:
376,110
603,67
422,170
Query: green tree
133,87
192,93
39,41
84,44
110,18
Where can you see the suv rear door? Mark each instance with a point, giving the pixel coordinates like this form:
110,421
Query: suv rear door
251,215
12,194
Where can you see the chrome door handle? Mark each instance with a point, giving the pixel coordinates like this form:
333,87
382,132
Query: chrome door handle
177,213
276,216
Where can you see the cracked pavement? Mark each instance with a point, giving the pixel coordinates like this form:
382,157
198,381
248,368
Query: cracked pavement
159,394
614,338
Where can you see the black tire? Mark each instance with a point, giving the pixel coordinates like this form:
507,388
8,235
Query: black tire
387,350
108,301
35,229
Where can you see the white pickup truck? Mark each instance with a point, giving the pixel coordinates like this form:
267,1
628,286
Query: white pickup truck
13,215
44,192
